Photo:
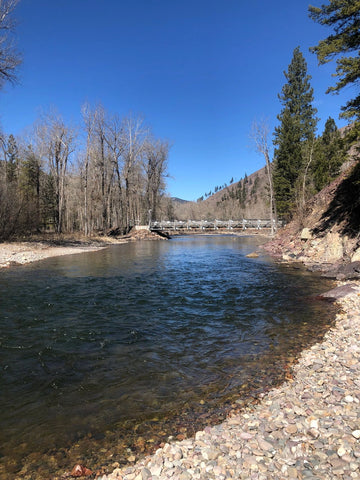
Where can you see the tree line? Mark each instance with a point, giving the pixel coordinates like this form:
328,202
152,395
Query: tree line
106,175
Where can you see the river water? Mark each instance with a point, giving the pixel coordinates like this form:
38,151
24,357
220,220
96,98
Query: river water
104,355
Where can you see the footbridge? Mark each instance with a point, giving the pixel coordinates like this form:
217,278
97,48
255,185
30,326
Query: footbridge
243,224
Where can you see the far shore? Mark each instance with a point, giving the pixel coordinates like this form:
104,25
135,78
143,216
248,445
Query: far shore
31,250
35,248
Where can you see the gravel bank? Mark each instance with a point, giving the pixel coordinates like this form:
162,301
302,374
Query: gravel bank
20,253
309,428
12,254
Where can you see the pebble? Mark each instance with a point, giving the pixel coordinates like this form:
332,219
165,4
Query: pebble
308,428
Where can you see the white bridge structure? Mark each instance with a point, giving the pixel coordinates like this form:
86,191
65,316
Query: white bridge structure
258,224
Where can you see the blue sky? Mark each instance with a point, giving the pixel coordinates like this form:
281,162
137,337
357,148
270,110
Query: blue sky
200,71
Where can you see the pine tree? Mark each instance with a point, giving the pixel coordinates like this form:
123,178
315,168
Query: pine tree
344,17
12,159
328,156
297,126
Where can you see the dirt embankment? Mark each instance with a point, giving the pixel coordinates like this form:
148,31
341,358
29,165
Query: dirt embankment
327,237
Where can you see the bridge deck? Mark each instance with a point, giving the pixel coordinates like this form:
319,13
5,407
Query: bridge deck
258,224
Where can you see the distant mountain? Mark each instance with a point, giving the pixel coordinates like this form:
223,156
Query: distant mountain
179,200
248,198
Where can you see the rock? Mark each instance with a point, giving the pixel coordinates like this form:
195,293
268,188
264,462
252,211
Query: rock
314,433
252,255
80,471
339,292
306,234
341,451
328,249
356,256
145,474
291,429
264,445
356,434
211,454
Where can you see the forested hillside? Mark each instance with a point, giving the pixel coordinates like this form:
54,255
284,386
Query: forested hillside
250,197
247,198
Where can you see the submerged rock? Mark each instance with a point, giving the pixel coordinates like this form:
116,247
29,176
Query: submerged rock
80,471
252,255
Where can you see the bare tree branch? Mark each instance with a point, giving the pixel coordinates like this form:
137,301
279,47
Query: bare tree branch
10,59
259,135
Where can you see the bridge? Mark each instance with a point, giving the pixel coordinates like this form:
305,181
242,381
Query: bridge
243,224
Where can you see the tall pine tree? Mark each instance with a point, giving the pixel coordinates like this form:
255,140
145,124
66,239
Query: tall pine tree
297,126
329,154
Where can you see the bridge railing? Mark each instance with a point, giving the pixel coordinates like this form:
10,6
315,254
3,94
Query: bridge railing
258,224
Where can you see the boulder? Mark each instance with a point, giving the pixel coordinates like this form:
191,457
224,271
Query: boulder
339,292
356,256
306,234
330,248
347,271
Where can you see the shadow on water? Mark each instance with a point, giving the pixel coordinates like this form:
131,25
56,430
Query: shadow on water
106,354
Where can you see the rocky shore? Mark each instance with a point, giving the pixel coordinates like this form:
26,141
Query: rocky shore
308,428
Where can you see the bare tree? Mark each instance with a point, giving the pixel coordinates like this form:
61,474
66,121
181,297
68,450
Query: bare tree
155,166
134,134
115,143
259,135
9,57
89,122
57,143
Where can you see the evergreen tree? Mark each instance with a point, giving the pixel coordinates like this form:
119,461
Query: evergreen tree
328,156
344,17
297,126
12,160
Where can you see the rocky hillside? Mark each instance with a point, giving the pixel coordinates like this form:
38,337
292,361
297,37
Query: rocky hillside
247,198
328,236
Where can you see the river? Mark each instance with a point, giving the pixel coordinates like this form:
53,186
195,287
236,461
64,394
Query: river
105,354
